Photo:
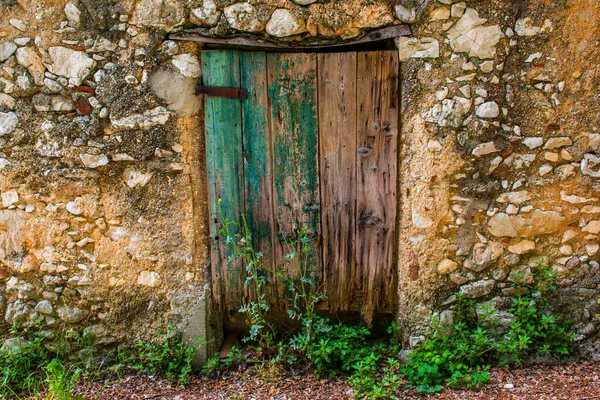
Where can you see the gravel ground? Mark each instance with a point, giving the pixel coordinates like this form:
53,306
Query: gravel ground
575,381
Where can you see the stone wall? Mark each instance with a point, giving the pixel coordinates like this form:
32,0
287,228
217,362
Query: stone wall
102,224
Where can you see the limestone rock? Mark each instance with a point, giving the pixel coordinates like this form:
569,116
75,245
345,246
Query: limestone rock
284,23
539,223
28,57
405,14
483,255
515,197
6,50
134,178
484,149
207,15
417,48
304,2
592,227
421,221
558,142
52,85
7,101
71,315
44,307
17,23
93,161
176,90
434,145
14,346
592,249
149,278
533,142
590,165
478,289
450,112
43,102
469,36
243,17
373,15
9,198
488,109
458,10
447,266
21,314
71,64
524,246
102,44
526,27
188,65
73,208
573,199
8,122
150,118
439,14
501,225
73,14
161,14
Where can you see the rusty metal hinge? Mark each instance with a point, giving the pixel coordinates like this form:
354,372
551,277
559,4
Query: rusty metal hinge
231,93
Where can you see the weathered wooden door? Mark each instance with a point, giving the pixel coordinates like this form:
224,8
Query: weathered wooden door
314,144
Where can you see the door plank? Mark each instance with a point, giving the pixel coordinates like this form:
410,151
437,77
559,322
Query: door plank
223,130
337,138
291,87
258,161
377,179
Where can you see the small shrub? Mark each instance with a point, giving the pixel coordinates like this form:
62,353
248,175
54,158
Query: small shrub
171,357
457,355
215,364
534,328
21,362
61,381
462,354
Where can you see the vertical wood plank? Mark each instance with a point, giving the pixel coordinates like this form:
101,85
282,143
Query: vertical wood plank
292,91
223,130
337,137
258,161
377,178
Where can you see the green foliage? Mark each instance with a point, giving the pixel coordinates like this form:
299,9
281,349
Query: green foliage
534,328
215,364
458,354
61,381
21,363
238,237
461,355
171,357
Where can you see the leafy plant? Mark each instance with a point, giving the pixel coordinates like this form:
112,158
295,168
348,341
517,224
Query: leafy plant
60,380
238,237
171,357
463,353
457,355
215,364
534,328
21,361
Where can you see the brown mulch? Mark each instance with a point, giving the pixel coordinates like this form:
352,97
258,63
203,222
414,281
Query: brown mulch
575,381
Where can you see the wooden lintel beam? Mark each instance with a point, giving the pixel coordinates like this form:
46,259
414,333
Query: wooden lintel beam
247,41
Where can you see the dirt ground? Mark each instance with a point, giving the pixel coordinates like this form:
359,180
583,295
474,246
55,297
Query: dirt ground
575,381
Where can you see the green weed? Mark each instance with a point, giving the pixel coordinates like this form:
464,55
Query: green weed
61,381
170,357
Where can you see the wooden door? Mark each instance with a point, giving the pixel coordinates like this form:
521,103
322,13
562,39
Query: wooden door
314,144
